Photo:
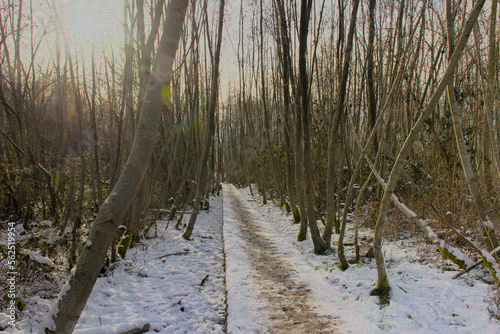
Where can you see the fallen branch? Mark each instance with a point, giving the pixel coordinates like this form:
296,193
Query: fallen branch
143,329
204,280
452,253
171,254
448,251
453,229
167,211
476,264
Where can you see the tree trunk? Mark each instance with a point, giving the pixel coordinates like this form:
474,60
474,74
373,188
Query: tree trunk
95,139
490,134
334,131
77,215
64,316
286,75
347,203
371,95
144,56
299,164
489,128
135,210
202,168
267,127
487,226
318,242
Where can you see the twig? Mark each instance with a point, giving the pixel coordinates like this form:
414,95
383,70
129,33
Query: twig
434,311
204,280
453,229
170,254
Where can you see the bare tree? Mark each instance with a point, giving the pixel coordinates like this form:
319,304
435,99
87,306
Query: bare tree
334,135
64,316
383,283
318,242
286,69
202,176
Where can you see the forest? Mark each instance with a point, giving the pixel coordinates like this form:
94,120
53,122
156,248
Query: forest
348,115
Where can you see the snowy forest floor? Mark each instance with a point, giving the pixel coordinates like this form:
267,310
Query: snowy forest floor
244,272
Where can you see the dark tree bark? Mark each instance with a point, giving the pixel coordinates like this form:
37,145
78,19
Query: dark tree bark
370,84
340,110
286,71
318,242
95,138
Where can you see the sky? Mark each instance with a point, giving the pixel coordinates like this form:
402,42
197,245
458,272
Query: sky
98,24
93,22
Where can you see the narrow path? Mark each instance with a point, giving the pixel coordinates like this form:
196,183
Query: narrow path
289,308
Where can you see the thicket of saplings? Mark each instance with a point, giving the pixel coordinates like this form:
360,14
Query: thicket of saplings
55,225
433,186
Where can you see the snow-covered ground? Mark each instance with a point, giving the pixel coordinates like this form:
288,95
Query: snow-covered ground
160,284
424,298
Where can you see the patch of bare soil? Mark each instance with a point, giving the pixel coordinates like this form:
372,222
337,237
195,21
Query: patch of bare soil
289,308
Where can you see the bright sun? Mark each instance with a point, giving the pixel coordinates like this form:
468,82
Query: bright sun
90,23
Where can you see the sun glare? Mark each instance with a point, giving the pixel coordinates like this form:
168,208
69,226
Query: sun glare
93,23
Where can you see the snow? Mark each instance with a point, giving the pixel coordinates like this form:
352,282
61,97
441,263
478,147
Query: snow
156,287
430,233
424,298
241,290
37,257
4,320
489,224
48,322
46,223
160,283
65,289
